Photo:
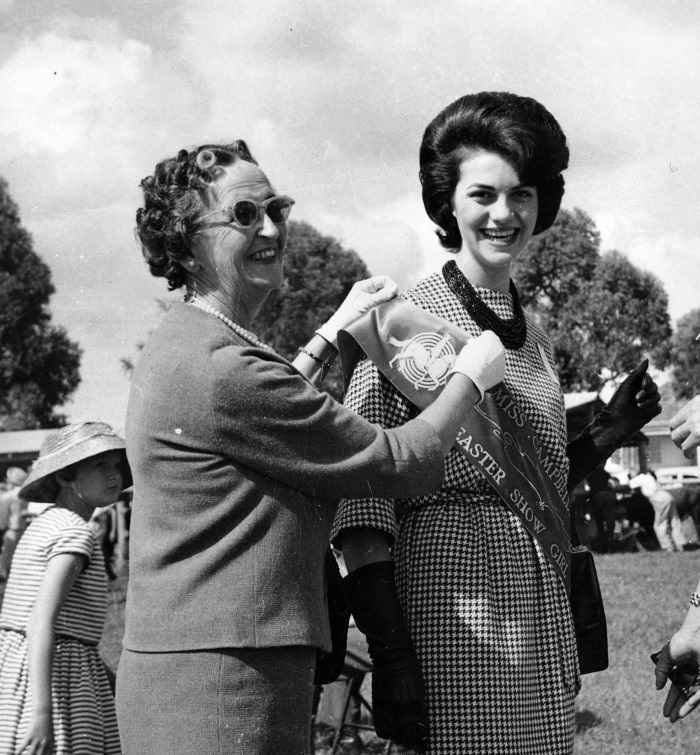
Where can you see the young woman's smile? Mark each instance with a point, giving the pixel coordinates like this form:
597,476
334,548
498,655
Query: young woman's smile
495,214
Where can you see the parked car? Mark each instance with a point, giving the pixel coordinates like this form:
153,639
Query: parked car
684,485
678,477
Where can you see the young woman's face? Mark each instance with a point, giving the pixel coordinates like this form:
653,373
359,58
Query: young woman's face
241,259
495,212
98,480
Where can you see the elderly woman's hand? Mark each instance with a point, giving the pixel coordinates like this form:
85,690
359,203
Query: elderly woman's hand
685,428
363,296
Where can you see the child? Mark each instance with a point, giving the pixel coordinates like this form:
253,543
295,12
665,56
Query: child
54,692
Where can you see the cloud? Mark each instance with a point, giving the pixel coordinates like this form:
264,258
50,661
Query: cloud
79,83
78,114
334,99
671,254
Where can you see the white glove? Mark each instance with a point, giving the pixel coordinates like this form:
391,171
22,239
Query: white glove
482,360
363,296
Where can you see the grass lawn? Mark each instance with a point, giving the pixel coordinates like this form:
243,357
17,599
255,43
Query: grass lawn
618,711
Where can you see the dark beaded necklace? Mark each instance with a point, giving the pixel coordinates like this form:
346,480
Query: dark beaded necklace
511,332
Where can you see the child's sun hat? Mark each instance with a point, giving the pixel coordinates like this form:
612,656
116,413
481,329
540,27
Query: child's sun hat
66,447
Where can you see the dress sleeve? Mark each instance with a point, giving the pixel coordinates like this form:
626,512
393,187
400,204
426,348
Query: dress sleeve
71,538
268,417
373,397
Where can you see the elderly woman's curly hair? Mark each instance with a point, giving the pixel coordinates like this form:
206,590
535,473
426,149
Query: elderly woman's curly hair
519,129
173,202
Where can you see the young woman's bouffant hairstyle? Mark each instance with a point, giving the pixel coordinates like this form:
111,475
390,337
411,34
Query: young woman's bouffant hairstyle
519,129
172,199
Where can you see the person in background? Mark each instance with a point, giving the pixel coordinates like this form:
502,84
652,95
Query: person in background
238,464
11,519
104,524
667,522
683,649
55,694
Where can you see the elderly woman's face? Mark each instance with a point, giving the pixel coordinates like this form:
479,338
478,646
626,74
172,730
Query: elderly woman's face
495,212
247,258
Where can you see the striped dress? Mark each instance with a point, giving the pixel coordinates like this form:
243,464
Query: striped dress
489,618
84,717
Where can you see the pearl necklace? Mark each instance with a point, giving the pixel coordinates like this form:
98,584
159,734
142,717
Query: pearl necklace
511,332
239,329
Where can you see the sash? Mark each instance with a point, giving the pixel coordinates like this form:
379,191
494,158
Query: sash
414,350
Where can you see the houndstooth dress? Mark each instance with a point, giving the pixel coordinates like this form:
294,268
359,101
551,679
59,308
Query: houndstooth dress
489,618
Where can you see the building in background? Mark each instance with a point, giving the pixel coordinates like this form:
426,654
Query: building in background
19,449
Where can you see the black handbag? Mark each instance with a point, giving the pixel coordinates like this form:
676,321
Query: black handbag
587,609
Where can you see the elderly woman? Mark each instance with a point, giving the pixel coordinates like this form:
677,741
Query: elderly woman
238,463
477,594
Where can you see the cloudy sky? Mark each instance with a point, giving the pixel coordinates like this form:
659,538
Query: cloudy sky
332,98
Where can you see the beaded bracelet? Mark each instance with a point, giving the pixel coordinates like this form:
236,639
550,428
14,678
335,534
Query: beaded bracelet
695,600
318,360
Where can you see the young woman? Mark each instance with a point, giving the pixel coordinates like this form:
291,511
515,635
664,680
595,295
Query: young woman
476,595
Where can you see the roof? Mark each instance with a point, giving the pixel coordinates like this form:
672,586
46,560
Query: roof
22,441
573,400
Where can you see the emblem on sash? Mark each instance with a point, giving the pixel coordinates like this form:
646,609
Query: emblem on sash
425,359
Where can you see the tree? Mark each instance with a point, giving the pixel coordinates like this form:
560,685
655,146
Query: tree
554,266
39,365
603,314
612,323
685,356
319,274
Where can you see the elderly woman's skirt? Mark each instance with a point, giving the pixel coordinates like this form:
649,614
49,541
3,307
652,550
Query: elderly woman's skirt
247,701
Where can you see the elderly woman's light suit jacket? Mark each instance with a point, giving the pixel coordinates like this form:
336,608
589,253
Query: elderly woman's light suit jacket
238,463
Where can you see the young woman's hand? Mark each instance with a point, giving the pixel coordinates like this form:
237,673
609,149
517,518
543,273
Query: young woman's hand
39,739
635,402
